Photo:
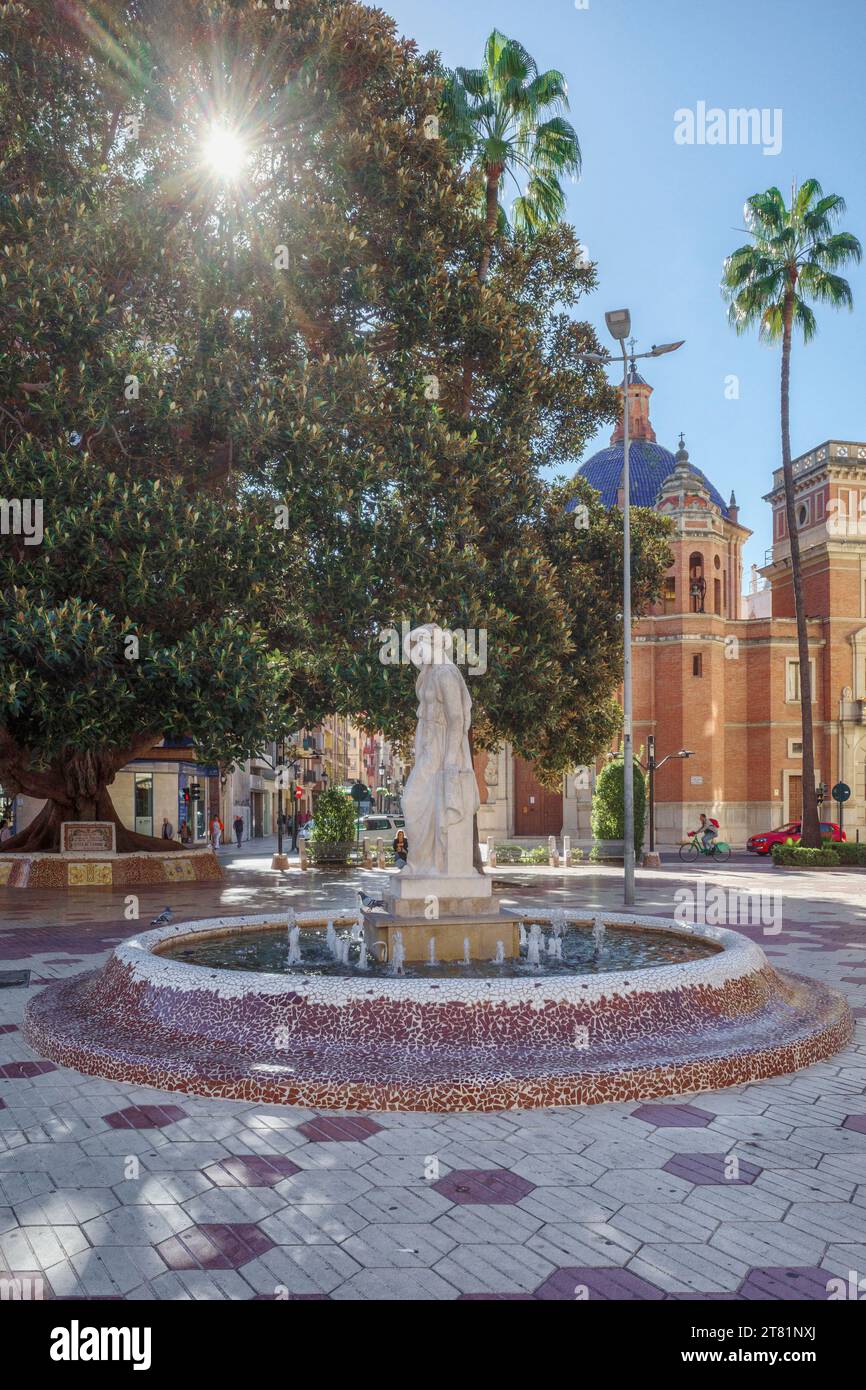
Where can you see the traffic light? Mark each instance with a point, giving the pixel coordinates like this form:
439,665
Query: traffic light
299,792
186,796
195,791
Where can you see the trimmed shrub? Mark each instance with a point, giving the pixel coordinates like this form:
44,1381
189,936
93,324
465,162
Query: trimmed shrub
798,857
608,813
509,853
850,852
334,832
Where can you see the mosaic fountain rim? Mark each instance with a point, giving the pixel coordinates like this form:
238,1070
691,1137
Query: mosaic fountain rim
736,958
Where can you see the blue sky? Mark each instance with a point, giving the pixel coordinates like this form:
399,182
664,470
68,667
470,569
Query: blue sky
659,217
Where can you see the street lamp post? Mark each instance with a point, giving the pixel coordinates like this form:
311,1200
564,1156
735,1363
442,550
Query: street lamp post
652,768
619,326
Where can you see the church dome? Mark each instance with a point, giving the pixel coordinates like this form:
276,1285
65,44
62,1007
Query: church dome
650,464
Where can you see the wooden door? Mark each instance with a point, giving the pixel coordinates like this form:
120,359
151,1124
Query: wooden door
536,810
795,797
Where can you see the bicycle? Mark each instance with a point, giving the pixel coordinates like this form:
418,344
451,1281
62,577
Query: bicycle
694,849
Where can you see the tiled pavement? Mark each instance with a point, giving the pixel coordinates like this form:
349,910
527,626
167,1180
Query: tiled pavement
109,1190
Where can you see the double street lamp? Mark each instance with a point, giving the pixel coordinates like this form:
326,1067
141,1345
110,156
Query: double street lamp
619,326
652,768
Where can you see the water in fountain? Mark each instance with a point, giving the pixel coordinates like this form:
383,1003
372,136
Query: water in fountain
467,959
499,958
331,939
362,958
345,943
398,954
557,921
432,952
294,945
522,934
598,934
533,949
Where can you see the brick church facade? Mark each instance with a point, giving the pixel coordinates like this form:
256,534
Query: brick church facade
716,669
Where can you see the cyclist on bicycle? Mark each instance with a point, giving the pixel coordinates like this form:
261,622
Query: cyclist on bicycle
708,831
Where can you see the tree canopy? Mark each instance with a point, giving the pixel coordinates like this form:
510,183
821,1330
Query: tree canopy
240,283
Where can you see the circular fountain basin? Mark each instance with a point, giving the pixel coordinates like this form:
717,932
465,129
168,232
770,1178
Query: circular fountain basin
467,1040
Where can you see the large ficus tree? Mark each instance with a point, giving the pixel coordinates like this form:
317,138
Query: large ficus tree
240,284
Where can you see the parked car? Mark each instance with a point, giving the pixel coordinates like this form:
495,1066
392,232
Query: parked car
381,825
762,844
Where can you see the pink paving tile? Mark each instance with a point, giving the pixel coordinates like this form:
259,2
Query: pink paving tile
786,1283
215,1246
856,1122
144,1116
19,1071
675,1116
338,1128
704,1169
483,1186
251,1170
8,1027
617,1284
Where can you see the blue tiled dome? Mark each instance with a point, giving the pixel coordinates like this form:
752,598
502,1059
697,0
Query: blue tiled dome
649,465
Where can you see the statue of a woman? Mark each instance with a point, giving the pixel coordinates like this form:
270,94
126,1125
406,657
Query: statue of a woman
441,794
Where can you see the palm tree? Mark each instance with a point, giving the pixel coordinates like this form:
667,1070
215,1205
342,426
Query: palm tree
793,257
504,118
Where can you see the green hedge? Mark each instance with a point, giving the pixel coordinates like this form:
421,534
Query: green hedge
608,813
797,856
509,853
850,852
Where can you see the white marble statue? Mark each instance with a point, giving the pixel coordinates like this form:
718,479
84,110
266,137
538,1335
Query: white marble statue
441,794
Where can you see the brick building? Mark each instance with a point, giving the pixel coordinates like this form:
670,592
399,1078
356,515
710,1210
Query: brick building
716,670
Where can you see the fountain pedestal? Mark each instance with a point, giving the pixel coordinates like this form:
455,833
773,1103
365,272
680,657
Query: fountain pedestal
448,908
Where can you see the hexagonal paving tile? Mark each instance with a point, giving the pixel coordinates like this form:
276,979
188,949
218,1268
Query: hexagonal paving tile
251,1170
710,1169
213,1246
145,1116
491,1186
338,1128
678,1116
790,1284
566,1285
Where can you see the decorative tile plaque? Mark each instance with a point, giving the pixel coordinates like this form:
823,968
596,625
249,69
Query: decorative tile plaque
87,837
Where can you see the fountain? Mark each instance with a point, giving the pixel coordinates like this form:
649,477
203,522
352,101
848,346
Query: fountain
442,1010
294,945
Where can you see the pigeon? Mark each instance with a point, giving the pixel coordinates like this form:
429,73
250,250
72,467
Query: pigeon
163,919
369,903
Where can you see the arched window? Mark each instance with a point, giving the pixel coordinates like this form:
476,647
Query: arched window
697,582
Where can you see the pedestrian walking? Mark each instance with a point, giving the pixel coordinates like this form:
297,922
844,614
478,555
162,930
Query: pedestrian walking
238,829
216,832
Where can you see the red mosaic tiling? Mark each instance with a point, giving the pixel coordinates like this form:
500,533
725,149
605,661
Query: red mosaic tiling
215,1246
338,1129
251,1170
145,1116
65,873
144,1020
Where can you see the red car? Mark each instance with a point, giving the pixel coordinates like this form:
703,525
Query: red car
762,844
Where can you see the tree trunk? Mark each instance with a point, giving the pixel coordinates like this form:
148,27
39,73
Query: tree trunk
477,861
74,789
491,218
810,833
